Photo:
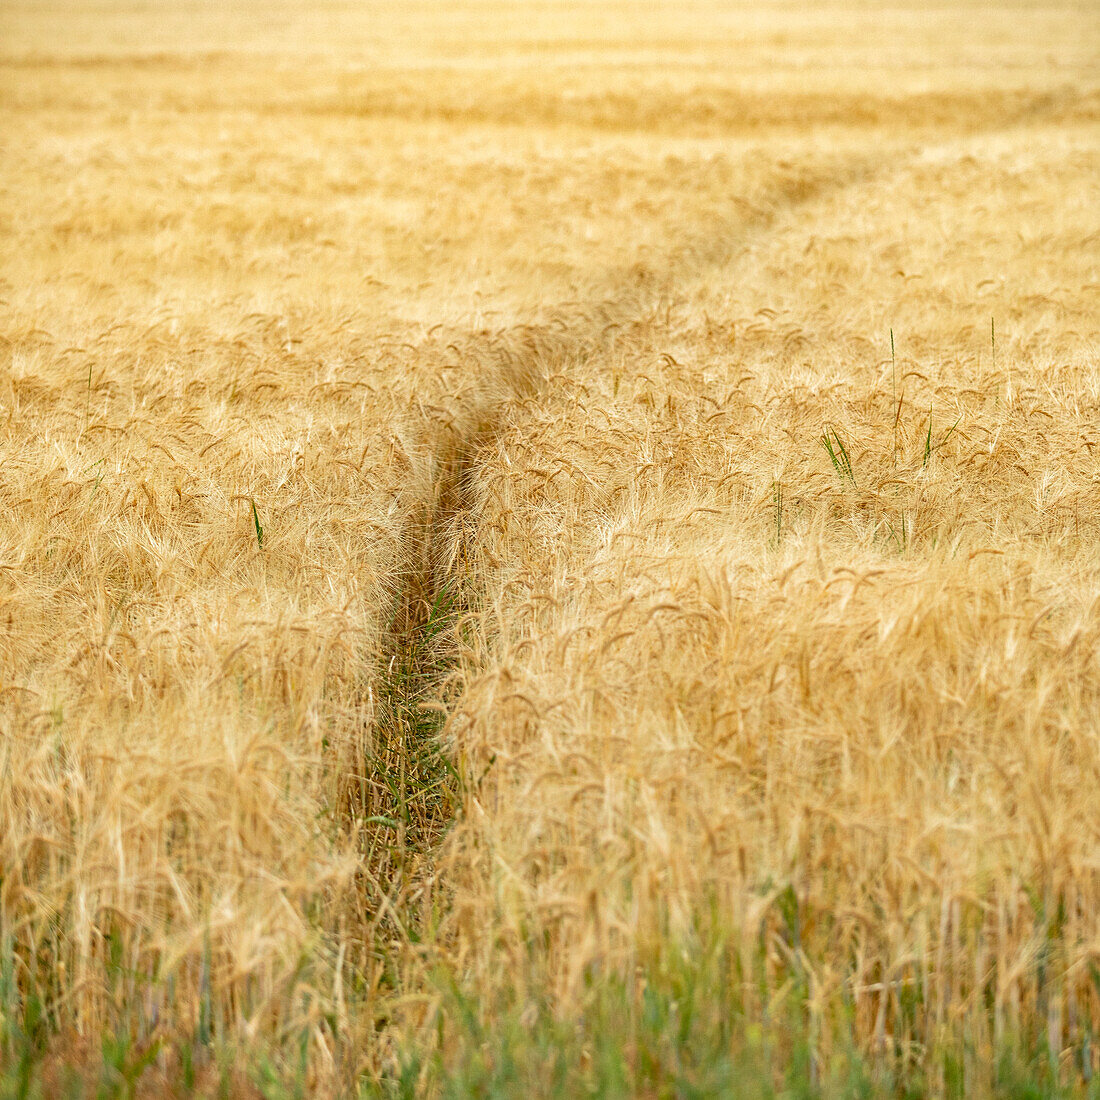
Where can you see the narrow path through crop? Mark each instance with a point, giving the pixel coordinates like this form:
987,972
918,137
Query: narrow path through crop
511,368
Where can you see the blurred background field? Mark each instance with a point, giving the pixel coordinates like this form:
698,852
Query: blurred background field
549,549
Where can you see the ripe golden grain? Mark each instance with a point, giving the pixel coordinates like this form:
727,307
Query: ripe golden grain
316,323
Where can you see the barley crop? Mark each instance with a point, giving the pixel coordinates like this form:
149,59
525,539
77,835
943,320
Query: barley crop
550,549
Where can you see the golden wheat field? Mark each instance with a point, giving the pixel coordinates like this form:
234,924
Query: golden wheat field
549,548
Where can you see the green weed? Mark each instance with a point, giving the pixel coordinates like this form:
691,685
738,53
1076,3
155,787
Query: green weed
838,455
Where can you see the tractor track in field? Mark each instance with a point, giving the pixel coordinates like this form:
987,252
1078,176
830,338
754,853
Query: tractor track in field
523,363
512,366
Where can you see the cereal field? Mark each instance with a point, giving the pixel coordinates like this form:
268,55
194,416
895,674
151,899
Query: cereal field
549,549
